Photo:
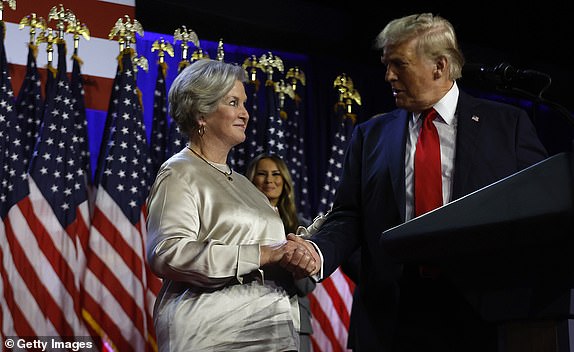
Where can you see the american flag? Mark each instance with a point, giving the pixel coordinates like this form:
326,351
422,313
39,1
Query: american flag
338,148
332,298
275,137
112,107
159,128
29,104
253,145
81,124
44,217
175,139
119,288
295,158
13,188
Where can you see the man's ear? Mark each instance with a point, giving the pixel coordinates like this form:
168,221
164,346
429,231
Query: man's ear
440,67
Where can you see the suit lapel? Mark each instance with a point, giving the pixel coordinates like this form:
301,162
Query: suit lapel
468,129
397,141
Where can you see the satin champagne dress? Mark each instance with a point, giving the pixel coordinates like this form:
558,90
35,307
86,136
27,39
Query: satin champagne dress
204,233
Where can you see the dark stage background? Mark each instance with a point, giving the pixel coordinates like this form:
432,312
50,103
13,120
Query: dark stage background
334,37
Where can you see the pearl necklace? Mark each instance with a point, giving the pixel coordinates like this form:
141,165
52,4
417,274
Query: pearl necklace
227,174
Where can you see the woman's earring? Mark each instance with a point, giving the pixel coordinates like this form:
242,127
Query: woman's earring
201,130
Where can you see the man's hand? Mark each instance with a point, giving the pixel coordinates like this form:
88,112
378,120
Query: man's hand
302,262
295,255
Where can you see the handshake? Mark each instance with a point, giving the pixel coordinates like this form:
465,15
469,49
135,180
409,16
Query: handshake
296,254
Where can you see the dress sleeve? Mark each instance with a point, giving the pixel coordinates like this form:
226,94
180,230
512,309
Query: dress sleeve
176,252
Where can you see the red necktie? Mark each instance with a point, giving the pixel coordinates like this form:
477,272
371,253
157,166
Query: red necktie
428,179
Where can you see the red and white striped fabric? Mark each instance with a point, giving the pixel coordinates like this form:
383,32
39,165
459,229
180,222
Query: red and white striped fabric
42,263
119,288
45,218
331,309
118,301
99,53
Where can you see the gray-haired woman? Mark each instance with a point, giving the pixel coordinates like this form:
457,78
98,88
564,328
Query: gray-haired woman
212,236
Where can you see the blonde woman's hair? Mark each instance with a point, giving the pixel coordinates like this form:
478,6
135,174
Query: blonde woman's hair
286,203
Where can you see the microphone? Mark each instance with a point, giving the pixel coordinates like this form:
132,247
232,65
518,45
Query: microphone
501,73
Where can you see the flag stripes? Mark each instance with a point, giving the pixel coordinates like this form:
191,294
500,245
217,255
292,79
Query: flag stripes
118,285
54,251
40,268
331,306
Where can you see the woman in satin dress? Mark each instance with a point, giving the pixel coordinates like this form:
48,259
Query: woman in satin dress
214,239
270,175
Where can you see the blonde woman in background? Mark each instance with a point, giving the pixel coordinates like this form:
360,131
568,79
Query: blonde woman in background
270,175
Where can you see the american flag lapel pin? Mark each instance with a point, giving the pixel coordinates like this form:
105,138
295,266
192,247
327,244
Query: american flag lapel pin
475,118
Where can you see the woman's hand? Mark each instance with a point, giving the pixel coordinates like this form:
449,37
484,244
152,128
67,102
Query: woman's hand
295,255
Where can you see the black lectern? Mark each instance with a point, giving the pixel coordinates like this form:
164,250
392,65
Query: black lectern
509,248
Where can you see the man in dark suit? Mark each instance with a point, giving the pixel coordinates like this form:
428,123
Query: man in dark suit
399,308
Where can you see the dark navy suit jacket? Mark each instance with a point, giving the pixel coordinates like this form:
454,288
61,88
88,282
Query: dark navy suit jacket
493,141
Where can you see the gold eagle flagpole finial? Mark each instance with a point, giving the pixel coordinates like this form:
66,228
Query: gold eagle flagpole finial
47,36
185,36
162,47
125,32
199,54
270,63
220,50
250,65
77,29
61,16
295,75
347,94
283,90
34,22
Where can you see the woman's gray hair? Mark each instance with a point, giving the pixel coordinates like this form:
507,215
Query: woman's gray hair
197,90
436,35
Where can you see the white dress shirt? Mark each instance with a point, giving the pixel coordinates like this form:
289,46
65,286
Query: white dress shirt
446,124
